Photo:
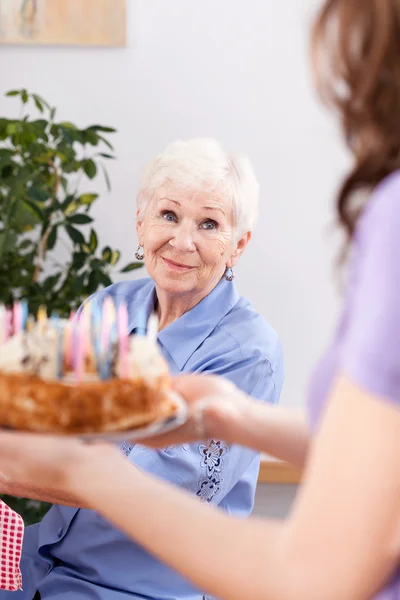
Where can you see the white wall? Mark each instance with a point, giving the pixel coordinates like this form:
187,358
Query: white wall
231,69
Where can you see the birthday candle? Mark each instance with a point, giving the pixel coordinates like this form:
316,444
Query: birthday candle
68,343
30,323
7,325
123,333
108,325
96,333
2,323
17,317
79,352
60,345
108,317
41,314
141,323
24,314
152,327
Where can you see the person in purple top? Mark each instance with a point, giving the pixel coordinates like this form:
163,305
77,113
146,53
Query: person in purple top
341,541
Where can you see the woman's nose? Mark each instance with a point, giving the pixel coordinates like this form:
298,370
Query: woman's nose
183,239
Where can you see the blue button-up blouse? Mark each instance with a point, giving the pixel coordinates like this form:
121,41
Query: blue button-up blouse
75,553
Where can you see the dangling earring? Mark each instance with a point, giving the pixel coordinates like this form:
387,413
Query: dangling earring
139,253
229,274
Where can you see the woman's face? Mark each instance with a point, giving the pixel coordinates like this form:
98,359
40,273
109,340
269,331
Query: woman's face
188,240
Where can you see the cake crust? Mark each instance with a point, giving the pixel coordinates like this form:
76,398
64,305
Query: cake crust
29,403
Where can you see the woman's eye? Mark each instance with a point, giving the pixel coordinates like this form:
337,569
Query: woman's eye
169,216
209,225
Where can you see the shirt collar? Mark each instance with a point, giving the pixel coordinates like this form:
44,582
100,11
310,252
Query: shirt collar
182,337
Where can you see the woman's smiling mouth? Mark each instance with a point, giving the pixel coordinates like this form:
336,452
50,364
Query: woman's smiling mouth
177,266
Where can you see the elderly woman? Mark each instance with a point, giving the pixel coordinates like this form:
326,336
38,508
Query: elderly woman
196,210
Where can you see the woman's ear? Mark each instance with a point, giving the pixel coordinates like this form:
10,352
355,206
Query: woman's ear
238,250
139,228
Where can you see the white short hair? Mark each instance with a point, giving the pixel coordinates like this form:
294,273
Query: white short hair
202,164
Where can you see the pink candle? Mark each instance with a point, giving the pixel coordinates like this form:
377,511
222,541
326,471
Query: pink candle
68,353
79,352
123,339
107,321
2,323
17,317
85,324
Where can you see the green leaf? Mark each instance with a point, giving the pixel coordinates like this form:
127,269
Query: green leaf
102,128
6,153
11,128
50,283
38,194
90,168
106,142
131,267
80,282
65,133
96,263
87,199
39,128
93,282
104,278
7,171
64,183
68,125
80,219
38,103
25,244
13,93
106,177
52,239
68,200
115,256
107,254
79,259
34,208
90,137
93,241
105,155
72,208
24,96
75,234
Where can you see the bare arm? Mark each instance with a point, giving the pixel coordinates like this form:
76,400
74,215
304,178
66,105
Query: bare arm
52,496
341,541
280,432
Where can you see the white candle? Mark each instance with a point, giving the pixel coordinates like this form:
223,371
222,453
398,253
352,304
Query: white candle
152,327
2,324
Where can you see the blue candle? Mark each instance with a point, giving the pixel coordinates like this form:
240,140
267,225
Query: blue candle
96,333
141,323
24,314
60,345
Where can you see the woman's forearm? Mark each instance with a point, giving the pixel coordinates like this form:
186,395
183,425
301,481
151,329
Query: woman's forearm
226,557
274,430
43,495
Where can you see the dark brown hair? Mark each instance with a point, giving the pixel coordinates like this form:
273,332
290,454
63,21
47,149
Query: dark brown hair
356,59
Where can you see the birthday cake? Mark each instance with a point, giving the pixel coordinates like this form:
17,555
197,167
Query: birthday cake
80,375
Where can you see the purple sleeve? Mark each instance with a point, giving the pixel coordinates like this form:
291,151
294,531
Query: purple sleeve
371,345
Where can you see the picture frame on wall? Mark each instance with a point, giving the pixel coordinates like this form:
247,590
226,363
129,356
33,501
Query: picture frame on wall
63,22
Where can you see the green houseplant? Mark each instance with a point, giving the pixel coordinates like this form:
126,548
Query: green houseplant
49,250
